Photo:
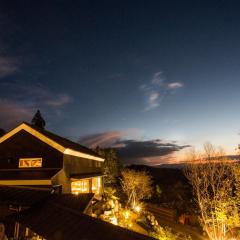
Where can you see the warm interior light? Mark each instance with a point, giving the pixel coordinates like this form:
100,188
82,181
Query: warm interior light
96,185
81,186
30,162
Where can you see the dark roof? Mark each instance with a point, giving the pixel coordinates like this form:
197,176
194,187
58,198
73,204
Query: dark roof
52,221
64,141
76,202
85,175
25,174
27,196
22,195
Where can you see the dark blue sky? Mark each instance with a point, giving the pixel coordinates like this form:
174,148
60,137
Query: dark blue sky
117,70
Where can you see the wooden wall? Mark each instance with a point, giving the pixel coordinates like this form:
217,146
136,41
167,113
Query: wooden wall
24,145
77,165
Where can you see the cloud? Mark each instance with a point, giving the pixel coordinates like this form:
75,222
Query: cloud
13,113
150,152
60,100
8,66
154,96
175,85
157,79
105,139
153,100
35,94
19,101
157,89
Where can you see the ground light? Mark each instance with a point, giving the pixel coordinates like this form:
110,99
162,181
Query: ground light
113,220
126,214
137,209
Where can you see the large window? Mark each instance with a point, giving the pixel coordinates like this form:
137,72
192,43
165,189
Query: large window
81,186
30,162
96,185
93,185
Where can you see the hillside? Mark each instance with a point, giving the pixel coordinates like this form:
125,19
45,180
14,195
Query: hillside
176,191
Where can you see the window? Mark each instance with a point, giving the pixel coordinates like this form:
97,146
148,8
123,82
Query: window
30,162
81,186
96,185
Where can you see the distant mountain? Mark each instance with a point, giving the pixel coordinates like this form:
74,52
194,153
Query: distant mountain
234,157
177,166
181,165
176,190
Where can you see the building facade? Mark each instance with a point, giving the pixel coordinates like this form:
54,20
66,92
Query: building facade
30,156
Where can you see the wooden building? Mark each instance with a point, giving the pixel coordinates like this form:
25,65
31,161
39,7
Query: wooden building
30,156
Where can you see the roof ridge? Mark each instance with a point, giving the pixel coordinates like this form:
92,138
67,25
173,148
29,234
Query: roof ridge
64,138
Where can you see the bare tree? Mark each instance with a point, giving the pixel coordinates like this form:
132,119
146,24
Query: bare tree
213,180
137,185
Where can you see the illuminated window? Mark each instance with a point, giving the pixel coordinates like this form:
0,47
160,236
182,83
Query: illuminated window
96,185
81,186
30,162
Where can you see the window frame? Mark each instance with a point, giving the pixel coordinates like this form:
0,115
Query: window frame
31,161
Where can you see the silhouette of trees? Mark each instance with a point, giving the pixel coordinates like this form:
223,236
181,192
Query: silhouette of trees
112,165
38,120
2,132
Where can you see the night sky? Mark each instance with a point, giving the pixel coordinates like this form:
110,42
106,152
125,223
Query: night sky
147,77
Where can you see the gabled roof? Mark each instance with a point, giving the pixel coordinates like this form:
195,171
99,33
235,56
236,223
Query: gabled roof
55,221
85,175
63,145
77,203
